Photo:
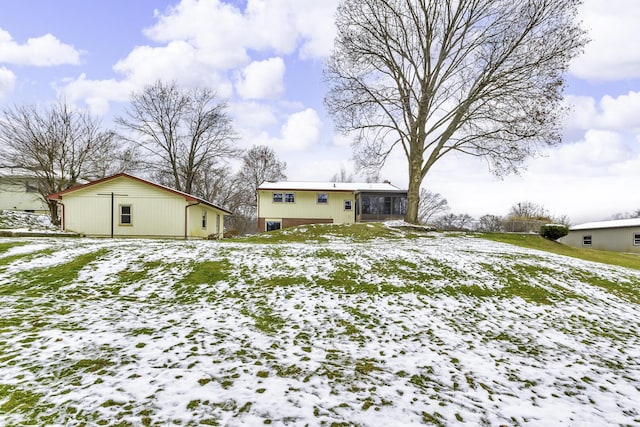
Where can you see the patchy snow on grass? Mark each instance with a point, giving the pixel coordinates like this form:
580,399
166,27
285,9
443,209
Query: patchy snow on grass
25,221
434,329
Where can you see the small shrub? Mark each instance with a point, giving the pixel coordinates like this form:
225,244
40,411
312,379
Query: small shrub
554,231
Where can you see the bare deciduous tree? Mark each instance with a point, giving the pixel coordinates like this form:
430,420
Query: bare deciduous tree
490,223
60,147
528,210
453,222
625,215
342,176
431,77
526,217
431,204
183,132
259,164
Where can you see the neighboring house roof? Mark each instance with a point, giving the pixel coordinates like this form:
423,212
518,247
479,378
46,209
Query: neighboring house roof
331,186
618,223
187,197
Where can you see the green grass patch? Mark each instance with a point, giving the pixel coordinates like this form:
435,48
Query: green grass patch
5,246
265,320
629,291
5,261
134,276
31,406
190,288
534,241
360,232
208,272
42,281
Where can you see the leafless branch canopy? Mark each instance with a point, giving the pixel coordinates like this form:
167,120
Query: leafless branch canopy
59,147
182,132
481,77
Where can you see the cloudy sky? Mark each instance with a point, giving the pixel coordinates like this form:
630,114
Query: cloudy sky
266,57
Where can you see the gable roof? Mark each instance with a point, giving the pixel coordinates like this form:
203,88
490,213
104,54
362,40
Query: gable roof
187,197
618,223
331,186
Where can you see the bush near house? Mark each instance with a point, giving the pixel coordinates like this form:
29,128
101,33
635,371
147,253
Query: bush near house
554,231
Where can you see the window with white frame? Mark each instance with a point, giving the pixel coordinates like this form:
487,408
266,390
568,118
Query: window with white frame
277,197
347,205
204,218
587,240
636,239
323,198
125,214
289,197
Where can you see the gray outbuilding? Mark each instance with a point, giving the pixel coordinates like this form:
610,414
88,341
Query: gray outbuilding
618,235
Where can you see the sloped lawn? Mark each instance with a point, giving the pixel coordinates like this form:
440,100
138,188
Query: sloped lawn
372,326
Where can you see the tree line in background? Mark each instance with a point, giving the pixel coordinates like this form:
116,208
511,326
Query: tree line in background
180,138
523,217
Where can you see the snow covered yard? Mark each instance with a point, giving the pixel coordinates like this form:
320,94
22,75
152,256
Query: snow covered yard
405,329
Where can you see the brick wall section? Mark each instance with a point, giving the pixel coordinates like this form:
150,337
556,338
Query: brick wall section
294,222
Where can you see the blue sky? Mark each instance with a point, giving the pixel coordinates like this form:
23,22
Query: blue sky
266,58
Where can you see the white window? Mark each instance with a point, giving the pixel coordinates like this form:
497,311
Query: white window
204,218
125,214
586,240
323,198
289,197
277,197
636,239
347,205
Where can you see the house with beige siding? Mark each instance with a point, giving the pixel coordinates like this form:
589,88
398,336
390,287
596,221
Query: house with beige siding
123,205
19,192
286,203
619,235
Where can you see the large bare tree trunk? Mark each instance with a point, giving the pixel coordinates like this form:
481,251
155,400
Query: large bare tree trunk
53,212
413,193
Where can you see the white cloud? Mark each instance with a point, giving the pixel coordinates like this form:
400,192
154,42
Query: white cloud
300,132
614,50
613,113
178,61
207,43
97,94
7,81
621,112
253,115
218,31
593,155
41,51
262,79
342,140
280,24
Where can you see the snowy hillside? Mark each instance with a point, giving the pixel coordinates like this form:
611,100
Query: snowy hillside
409,328
17,220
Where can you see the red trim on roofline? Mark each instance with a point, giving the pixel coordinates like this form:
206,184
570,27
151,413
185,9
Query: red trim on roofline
187,197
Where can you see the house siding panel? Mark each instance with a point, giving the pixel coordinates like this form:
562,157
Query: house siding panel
306,207
214,226
14,196
154,212
605,239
